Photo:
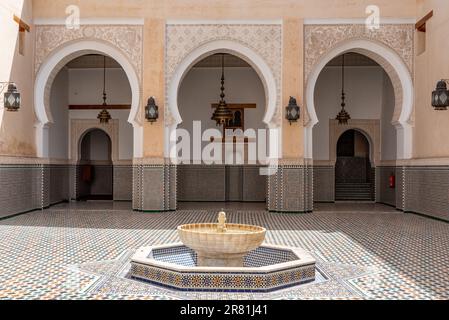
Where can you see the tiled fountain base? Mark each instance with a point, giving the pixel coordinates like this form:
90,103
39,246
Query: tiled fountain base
113,279
267,269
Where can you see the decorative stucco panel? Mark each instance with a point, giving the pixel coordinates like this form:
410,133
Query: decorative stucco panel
264,39
127,38
320,39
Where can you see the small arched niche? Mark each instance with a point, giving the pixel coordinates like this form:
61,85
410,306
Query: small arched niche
95,170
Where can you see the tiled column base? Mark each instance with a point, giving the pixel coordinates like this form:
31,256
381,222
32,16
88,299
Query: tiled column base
290,189
154,188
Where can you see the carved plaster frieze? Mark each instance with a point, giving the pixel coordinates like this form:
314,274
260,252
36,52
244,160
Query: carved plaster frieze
264,39
320,39
127,38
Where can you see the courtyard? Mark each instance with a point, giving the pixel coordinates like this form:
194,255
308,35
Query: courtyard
363,251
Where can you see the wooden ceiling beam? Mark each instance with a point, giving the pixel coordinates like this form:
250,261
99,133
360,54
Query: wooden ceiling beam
23,26
421,24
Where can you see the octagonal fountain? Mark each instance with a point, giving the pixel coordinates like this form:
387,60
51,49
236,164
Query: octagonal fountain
223,257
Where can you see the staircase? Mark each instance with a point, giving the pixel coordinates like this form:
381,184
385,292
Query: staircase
353,192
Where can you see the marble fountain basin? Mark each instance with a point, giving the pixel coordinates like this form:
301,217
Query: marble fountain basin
216,247
223,257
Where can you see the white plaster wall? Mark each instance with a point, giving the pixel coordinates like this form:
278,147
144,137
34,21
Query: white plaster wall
201,88
59,129
86,86
364,87
388,131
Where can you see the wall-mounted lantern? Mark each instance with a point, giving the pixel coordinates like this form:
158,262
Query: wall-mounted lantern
151,111
11,98
440,97
293,111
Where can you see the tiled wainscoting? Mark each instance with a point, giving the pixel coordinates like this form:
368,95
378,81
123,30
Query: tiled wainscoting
324,183
418,189
123,182
427,190
221,183
27,187
21,188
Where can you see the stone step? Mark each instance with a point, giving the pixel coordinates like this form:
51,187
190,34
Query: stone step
353,191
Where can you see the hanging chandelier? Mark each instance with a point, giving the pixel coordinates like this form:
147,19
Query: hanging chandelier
222,115
343,116
104,116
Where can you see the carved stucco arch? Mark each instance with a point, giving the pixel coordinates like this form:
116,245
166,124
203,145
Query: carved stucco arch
80,127
235,48
370,128
400,77
56,60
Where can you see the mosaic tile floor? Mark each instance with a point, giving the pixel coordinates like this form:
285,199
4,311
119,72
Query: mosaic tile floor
82,252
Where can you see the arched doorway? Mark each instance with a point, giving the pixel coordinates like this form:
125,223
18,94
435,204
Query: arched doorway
353,170
232,178
400,78
75,101
268,105
95,176
56,62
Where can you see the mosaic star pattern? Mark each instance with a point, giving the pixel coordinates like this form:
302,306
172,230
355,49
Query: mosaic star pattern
82,251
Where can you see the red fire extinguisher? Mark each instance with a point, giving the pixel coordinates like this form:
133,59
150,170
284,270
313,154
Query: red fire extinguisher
392,181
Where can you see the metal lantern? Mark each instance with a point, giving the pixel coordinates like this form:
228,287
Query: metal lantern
12,98
343,116
440,97
104,116
293,111
222,115
151,111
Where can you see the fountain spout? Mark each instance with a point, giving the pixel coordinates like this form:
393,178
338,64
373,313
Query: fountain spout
221,228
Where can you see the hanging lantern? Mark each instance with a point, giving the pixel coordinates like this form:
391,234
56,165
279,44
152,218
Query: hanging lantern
12,98
440,97
222,115
104,116
151,111
343,116
293,111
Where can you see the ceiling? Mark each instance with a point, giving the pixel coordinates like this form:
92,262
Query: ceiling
214,61
91,61
353,59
